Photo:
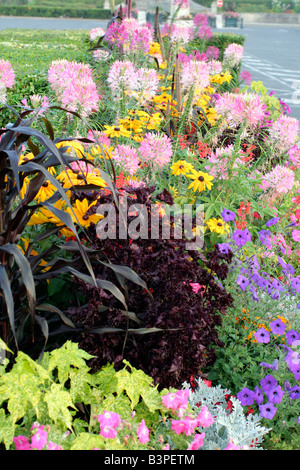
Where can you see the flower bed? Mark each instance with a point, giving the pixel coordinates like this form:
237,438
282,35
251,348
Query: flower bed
149,240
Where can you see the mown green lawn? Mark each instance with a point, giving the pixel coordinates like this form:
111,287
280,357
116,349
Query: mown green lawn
32,51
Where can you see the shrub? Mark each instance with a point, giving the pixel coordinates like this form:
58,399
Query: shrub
54,12
174,315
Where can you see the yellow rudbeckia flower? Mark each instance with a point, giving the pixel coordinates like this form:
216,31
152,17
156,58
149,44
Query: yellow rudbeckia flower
201,180
80,209
116,131
217,225
181,167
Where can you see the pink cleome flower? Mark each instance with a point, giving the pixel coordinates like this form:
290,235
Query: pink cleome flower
280,180
126,157
7,75
74,86
233,54
284,132
156,149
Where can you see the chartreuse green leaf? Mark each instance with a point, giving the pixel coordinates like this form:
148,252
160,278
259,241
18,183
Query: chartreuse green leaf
4,346
22,387
106,380
59,403
7,429
86,441
66,357
137,384
81,382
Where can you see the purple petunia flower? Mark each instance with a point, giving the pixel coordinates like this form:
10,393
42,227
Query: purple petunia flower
295,369
275,395
262,336
273,221
288,269
257,279
246,396
267,383
273,366
243,282
277,327
287,385
259,397
295,284
275,295
281,262
254,263
224,248
294,392
255,296
277,285
293,337
227,215
241,237
267,411
264,236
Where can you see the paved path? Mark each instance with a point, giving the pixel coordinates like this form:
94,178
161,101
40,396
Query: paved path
7,22
272,55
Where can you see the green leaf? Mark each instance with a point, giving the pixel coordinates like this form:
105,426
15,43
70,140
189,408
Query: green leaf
137,384
80,386
86,441
106,380
59,403
21,389
7,429
66,357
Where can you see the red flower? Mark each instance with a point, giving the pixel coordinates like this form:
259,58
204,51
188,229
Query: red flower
256,215
229,406
208,383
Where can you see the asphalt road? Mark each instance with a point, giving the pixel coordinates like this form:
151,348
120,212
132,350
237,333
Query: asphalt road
272,53
7,22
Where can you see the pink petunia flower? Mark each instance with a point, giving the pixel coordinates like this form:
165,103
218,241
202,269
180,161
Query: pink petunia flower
205,419
176,401
109,418
296,235
185,426
108,432
53,446
39,439
22,443
197,442
143,433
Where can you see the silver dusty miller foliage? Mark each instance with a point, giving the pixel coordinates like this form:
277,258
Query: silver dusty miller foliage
228,426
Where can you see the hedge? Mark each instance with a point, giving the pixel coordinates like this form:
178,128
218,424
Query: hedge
54,12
